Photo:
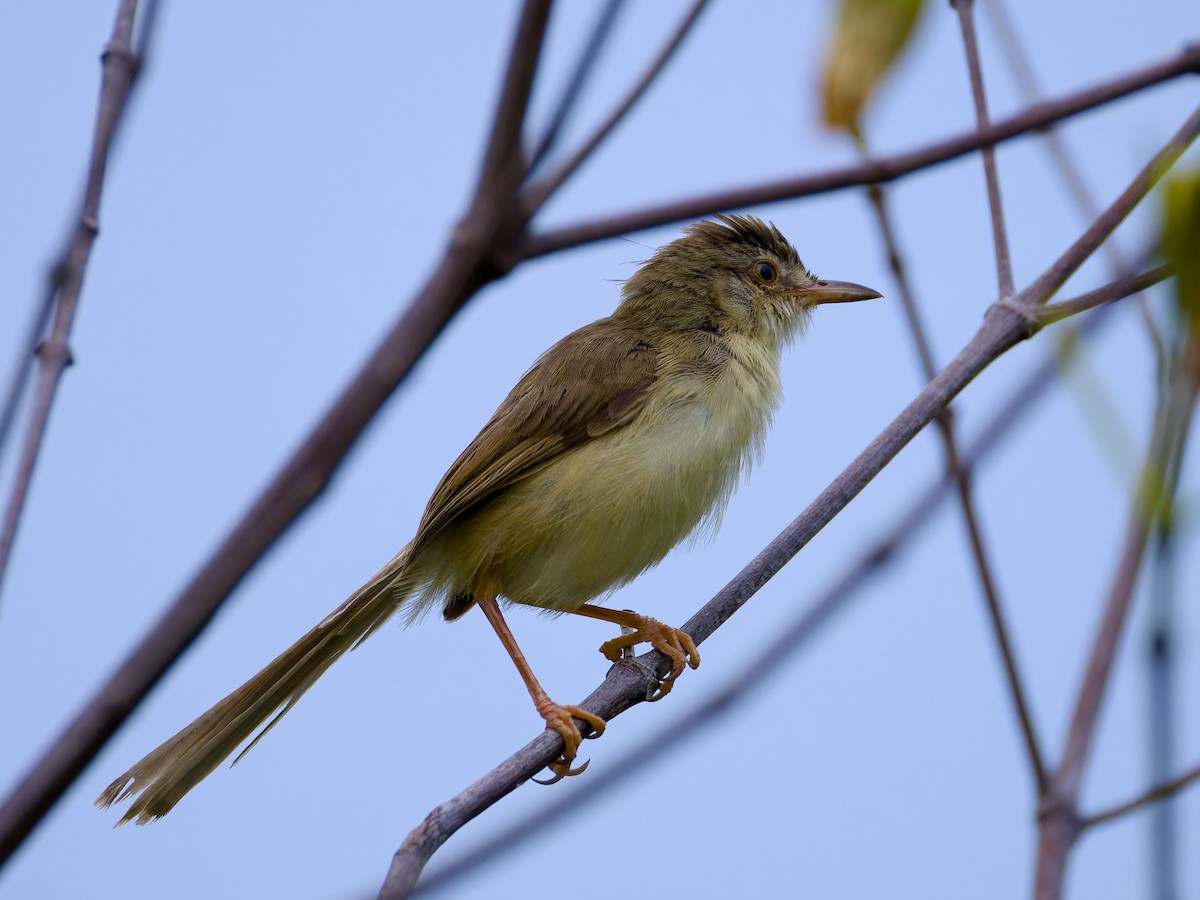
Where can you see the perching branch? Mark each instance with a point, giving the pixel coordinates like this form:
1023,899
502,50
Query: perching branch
1007,323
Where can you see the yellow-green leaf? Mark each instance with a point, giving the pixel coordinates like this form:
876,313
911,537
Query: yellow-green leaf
1181,243
867,38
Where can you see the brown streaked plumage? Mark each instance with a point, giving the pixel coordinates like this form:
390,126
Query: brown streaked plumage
623,439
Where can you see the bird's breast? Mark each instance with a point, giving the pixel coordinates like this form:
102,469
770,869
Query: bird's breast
600,515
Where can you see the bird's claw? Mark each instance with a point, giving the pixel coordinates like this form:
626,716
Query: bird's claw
561,719
561,769
676,645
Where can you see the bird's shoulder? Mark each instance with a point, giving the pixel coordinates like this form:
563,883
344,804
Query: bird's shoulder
591,382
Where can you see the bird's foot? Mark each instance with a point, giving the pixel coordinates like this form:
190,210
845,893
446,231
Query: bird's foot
562,720
671,642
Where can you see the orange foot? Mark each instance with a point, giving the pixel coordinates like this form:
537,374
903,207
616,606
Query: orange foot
562,719
673,643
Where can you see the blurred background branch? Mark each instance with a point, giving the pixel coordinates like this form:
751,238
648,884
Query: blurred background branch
64,283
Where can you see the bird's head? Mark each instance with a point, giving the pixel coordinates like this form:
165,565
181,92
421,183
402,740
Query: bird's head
734,274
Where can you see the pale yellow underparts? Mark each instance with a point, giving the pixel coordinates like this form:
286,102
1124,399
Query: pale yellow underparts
599,515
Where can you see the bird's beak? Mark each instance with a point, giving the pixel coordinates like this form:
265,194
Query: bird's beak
838,292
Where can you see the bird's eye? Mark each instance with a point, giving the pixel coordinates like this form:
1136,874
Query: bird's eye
767,272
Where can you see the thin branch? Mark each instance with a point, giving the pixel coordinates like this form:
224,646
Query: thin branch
1117,290
469,263
585,65
966,21
1048,283
120,68
908,301
962,480
878,171
1091,692
1005,325
504,144
536,194
1060,824
1027,83
27,352
1159,792
1022,71
27,355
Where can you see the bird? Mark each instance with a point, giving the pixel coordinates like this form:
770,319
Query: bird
623,439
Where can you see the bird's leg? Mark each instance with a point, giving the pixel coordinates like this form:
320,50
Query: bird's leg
671,642
558,718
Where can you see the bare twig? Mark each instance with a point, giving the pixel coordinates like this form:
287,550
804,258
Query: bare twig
878,171
908,301
585,64
1156,793
1059,821
1060,824
962,480
1027,83
1163,843
120,68
1124,287
535,195
504,143
966,21
474,257
27,354
965,10
1048,283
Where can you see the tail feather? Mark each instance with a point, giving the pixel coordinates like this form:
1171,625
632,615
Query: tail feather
166,774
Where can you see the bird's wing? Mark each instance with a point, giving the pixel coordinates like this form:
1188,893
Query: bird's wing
592,381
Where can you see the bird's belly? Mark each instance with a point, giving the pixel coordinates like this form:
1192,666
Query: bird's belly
598,516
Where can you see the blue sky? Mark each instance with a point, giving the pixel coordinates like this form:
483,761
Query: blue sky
285,179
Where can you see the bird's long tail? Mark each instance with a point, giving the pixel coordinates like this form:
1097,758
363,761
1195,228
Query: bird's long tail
161,779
